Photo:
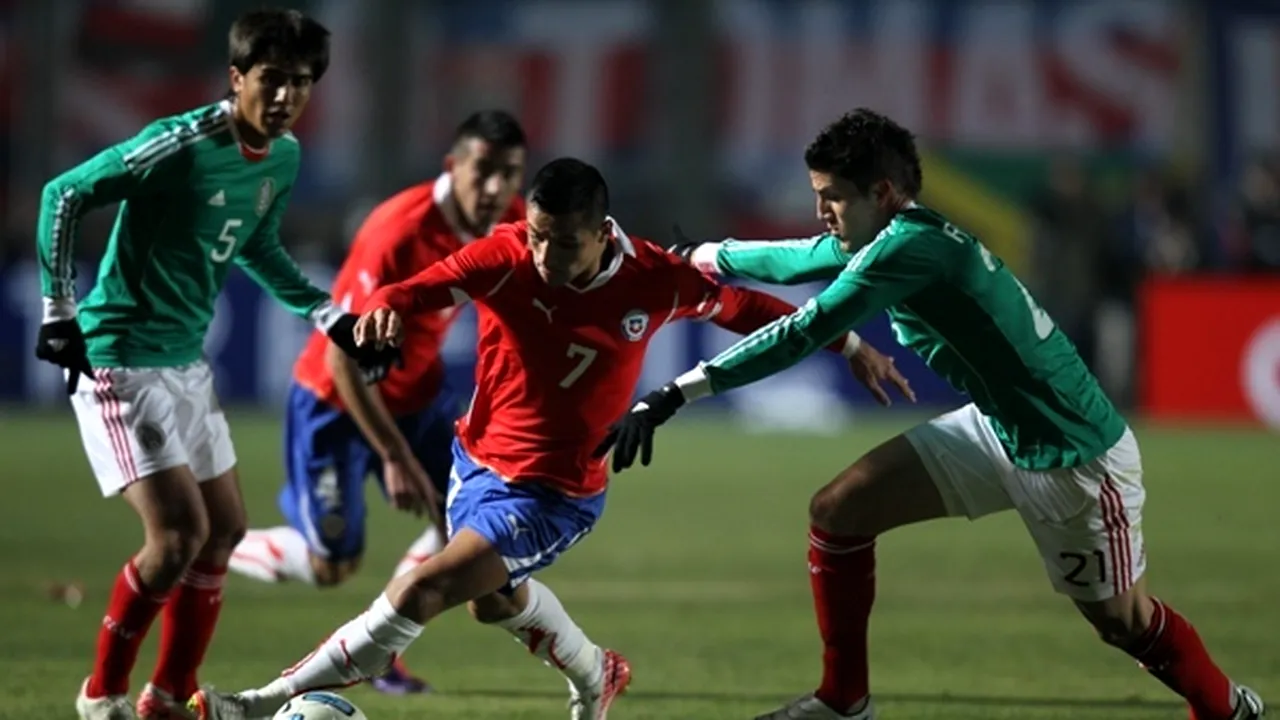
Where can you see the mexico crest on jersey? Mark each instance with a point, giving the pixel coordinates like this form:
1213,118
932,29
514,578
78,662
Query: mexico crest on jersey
634,325
266,190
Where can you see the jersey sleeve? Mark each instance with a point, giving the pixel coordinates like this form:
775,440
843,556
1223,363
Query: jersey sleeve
882,274
778,262
264,259
383,246
739,310
141,165
472,273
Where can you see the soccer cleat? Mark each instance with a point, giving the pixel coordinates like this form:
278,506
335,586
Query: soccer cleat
397,680
613,683
1249,705
111,707
810,707
156,704
210,705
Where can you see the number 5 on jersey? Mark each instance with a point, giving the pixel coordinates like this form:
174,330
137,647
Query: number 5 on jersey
584,357
226,241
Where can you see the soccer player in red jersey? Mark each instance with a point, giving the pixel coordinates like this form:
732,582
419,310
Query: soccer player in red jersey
567,305
340,430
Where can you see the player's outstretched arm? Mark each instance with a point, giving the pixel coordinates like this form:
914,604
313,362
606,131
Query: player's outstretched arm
133,168
779,262
475,272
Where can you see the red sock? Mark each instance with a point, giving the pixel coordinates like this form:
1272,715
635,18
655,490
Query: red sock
130,612
1172,651
842,573
189,621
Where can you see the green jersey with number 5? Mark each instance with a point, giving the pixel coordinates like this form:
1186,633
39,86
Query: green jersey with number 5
192,201
953,303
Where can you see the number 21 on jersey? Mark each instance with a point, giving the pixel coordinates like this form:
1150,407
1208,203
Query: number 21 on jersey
1040,319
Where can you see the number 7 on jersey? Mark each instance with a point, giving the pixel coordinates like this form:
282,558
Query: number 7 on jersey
585,356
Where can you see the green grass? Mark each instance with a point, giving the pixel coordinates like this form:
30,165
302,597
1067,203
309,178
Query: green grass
697,573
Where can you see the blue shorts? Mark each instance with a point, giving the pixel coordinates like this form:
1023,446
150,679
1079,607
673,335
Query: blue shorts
528,524
327,460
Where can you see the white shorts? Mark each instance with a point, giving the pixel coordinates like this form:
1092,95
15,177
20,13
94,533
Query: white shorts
138,421
1086,521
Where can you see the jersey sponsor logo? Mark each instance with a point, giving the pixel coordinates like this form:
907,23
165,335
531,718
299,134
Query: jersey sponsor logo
1260,372
635,324
150,438
219,199
266,192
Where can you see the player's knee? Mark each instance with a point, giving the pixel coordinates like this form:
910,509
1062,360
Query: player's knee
836,507
174,548
1120,621
227,530
332,573
493,608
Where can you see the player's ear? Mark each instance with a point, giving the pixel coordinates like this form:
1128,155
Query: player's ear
884,193
236,78
448,161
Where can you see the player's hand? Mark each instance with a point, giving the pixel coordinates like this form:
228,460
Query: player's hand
408,486
872,368
633,434
683,246
375,359
62,343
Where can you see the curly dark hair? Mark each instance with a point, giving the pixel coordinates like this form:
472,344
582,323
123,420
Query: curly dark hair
865,147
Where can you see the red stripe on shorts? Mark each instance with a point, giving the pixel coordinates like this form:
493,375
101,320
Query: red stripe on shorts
113,419
1116,523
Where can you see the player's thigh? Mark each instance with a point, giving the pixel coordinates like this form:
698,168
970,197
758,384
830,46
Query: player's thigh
129,426
1087,523
201,424
224,505
886,488
529,526
326,464
172,510
964,461
469,567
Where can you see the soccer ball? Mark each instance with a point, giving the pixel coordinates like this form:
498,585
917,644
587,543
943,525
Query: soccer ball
319,705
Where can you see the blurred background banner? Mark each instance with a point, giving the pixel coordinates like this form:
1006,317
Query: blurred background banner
1097,146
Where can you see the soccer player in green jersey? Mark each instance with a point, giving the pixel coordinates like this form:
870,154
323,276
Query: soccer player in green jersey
196,192
1038,436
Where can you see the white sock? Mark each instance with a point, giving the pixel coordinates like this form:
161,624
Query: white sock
274,555
359,650
428,543
548,632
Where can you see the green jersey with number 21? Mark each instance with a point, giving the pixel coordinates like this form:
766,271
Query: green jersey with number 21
191,203
952,302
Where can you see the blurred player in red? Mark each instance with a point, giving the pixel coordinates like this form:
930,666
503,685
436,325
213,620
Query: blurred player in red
340,430
567,305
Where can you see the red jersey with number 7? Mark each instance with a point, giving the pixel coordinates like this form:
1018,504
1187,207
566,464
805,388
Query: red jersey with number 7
557,366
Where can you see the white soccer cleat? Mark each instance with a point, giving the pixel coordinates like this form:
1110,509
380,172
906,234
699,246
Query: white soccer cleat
594,705
156,704
111,707
1249,706
810,707
208,704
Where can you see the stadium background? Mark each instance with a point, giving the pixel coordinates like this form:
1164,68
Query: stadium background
1117,153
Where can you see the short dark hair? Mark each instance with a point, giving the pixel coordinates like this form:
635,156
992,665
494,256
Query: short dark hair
499,128
567,185
277,35
865,147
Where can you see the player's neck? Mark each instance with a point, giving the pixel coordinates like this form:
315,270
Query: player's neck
253,144
586,278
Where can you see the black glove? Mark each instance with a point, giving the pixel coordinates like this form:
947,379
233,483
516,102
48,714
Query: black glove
60,342
683,247
634,432
375,363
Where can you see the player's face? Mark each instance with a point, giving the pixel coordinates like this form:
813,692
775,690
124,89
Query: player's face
485,179
271,97
852,216
565,247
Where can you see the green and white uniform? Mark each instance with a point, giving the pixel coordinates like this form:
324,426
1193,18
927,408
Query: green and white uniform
1039,434
191,202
